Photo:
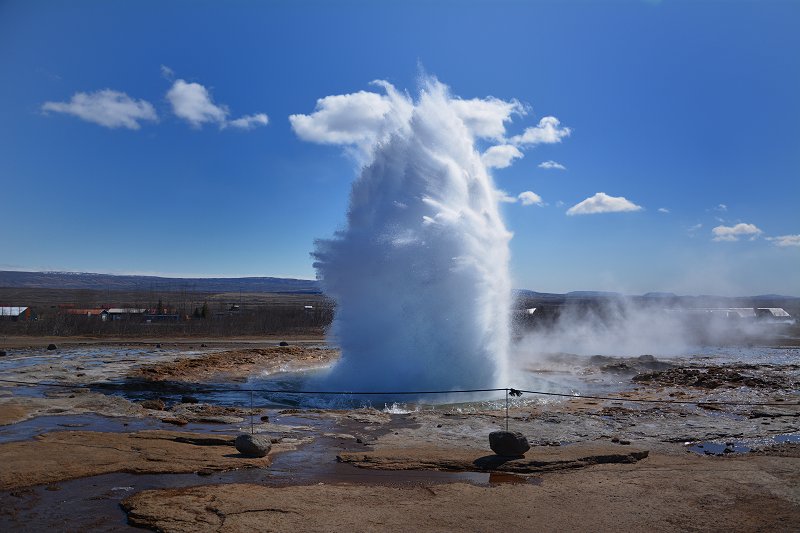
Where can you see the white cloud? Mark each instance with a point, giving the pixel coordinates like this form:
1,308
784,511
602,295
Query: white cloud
362,119
732,233
693,229
500,156
193,103
248,122
721,208
486,118
355,118
530,198
663,210
167,73
548,131
503,196
560,203
603,203
785,240
552,165
112,109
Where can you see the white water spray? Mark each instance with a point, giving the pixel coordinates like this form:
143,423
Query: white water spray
420,273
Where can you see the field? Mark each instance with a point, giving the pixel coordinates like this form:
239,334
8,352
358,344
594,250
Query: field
227,313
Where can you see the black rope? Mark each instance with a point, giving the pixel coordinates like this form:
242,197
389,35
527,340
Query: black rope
507,390
695,402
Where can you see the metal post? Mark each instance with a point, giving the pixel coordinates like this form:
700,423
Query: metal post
506,409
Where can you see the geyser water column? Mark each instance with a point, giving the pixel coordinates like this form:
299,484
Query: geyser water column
420,273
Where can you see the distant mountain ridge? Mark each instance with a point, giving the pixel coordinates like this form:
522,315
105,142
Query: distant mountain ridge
92,281
125,282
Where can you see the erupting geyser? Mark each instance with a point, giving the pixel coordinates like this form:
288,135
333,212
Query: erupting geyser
420,273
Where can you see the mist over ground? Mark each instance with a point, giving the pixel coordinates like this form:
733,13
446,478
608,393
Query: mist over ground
628,327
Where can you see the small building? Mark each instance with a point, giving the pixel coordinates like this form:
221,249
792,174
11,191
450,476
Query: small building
120,313
17,313
102,314
773,314
762,314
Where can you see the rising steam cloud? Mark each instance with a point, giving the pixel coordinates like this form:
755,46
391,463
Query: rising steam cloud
420,273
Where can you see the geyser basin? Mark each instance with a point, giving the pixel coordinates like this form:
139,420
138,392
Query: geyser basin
420,273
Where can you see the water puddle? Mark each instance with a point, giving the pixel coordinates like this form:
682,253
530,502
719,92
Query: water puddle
731,447
503,478
28,429
47,424
714,448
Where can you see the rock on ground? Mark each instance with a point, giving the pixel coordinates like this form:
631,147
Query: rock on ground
253,445
508,443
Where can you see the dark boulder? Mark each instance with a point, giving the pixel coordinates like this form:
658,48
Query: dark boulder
189,399
52,347
253,445
3,353
508,443
283,343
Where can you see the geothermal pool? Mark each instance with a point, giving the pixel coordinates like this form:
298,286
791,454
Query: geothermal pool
104,369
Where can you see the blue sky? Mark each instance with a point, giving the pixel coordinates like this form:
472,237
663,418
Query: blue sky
685,107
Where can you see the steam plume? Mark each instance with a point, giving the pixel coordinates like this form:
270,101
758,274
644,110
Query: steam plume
420,273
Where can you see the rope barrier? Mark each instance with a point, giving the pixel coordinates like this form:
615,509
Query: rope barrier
508,390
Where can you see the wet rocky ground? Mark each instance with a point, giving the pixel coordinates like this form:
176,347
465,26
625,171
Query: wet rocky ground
130,438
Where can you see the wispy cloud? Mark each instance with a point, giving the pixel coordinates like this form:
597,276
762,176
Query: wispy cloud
603,203
503,196
552,165
500,156
721,208
785,240
548,131
733,233
486,117
193,103
52,76
109,108
692,230
530,198
167,73
663,210
248,122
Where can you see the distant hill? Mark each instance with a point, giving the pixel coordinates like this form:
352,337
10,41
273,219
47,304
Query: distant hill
113,282
593,294
85,280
